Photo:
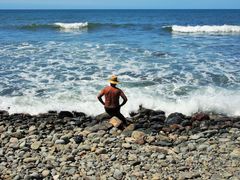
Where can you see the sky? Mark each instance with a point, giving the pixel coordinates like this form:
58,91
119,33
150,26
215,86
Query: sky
119,4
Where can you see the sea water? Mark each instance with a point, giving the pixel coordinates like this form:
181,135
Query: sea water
174,60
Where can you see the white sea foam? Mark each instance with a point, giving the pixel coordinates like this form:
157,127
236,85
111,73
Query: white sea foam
72,25
206,29
210,99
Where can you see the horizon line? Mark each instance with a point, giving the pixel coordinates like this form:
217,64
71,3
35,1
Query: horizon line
119,9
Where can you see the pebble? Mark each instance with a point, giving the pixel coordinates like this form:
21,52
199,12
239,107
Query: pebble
45,173
101,151
59,141
126,146
196,136
45,147
235,153
36,145
118,174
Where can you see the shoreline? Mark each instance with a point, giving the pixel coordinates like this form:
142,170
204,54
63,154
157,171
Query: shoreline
60,145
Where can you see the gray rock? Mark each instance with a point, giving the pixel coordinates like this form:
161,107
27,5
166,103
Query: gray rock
101,151
103,116
45,173
235,153
175,118
161,156
59,141
196,136
118,174
203,147
72,171
101,126
189,175
126,146
35,175
84,147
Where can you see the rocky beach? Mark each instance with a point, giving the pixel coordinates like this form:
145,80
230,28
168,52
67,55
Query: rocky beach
72,145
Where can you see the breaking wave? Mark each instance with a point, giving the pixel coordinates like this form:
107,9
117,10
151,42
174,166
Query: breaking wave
208,100
204,29
71,25
74,26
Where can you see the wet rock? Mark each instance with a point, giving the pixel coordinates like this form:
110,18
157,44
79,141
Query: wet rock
3,113
144,111
78,114
200,116
236,125
175,118
157,118
185,123
64,114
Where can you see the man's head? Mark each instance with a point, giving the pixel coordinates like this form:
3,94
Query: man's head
113,80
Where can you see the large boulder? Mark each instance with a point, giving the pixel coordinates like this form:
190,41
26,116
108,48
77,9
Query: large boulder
115,122
101,126
78,114
175,118
139,137
64,114
3,113
102,117
144,111
157,118
200,116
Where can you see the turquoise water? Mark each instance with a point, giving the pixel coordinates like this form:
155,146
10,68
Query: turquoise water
173,60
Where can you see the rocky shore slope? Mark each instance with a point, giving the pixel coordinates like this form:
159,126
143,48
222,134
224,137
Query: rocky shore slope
72,145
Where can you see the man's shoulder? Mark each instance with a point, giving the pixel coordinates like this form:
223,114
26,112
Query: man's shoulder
106,88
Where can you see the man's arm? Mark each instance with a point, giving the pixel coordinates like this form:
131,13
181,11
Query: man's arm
100,95
124,97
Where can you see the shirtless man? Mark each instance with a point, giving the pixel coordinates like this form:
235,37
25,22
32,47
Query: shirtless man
112,94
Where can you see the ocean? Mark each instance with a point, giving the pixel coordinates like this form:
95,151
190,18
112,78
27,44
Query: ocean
173,60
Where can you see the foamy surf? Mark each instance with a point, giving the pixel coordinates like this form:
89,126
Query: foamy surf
206,29
71,25
207,100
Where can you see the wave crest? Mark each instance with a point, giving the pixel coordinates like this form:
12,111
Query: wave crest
204,29
71,25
